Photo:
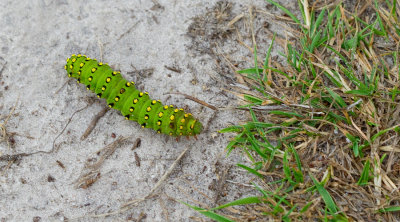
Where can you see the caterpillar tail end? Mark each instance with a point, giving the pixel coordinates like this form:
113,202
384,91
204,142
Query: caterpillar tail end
198,127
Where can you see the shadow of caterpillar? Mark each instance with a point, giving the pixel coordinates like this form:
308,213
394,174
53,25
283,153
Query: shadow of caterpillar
133,104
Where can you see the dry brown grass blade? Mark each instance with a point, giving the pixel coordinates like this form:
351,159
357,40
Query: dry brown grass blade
93,123
3,131
91,171
196,100
54,148
131,204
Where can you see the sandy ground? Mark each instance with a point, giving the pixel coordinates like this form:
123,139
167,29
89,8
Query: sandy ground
164,46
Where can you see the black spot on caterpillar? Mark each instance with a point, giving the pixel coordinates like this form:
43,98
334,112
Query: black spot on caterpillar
133,104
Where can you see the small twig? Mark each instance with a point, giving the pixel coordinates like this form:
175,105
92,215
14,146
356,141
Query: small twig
132,203
164,209
137,159
253,38
87,179
267,108
108,151
220,184
93,123
354,104
234,20
137,143
241,184
3,130
141,217
69,121
173,69
60,164
161,181
2,69
207,125
127,31
101,46
65,83
12,111
14,157
195,100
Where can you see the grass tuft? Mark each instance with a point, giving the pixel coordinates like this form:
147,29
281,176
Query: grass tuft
330,113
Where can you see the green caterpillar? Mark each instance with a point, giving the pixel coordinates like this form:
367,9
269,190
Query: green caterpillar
133,104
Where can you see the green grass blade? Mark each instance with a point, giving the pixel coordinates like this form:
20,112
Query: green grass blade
231,129
255,146
389,209
364,178
267,56
356,148
330,204
315,41
286,216
253,99
298,173
339,100
286,168
249,71
256,67
393,10
305,208
208,213
250,170
243,201
288,114
291,15
318,22
373,138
